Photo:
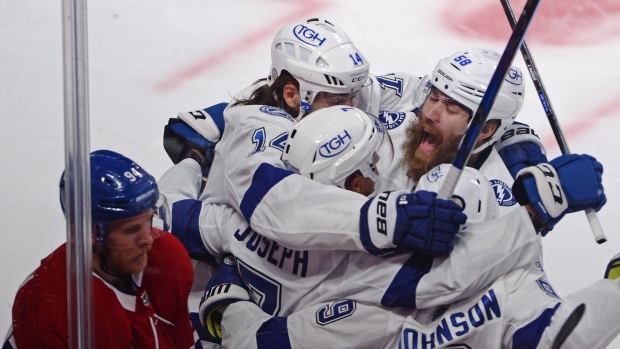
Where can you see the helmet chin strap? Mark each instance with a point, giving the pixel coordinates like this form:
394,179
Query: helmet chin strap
103,262
482,147
301,114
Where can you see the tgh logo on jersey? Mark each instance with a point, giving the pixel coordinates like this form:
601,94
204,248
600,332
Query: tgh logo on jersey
391,119
335,145
514,77
503,193
307,35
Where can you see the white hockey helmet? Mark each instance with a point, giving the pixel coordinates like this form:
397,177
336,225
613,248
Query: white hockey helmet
320,56
464,77
473,189
332,143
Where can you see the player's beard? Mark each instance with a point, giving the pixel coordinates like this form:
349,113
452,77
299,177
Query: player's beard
445,145
125,261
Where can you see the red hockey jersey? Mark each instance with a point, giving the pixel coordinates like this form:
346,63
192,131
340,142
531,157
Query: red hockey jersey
156,316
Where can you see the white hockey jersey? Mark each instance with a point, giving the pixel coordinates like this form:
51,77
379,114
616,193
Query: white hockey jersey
247,172
518,310
285,278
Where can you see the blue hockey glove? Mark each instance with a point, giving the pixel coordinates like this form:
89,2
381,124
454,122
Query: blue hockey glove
569,183
413,222
613,268
521,155
520,147
224,288
194,135
582,180
208,122
181,142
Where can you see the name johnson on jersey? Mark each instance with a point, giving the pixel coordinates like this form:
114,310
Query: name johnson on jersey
455,325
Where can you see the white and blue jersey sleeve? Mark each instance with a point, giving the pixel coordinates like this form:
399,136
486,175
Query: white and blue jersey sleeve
338,324
395,92
482,253
248,174
518,310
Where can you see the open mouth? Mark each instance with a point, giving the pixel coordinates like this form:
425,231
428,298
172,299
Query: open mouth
428,143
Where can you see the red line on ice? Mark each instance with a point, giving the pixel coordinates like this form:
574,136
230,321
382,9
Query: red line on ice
586,123
241,45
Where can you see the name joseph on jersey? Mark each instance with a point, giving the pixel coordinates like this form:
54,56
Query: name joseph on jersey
284,258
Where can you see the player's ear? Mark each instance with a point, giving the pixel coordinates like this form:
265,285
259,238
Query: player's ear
353,184
290,93
488,129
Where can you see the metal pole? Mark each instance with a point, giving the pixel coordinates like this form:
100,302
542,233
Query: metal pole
77,175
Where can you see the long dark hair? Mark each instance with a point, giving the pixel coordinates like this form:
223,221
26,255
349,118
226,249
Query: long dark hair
272,95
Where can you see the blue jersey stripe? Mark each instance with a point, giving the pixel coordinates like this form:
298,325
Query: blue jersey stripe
529,335
185,216
365,234
203,334
265,178
402,290
273,334
216,112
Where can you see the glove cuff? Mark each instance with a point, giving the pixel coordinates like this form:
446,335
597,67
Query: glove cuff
540,186
193,154
220,295
378,220
202,122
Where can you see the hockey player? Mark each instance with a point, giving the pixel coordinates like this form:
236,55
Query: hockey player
328,146
141,275
314,64
337,146
244,184
517,310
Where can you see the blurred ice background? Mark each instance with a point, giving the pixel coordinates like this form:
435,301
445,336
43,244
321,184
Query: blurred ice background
150,59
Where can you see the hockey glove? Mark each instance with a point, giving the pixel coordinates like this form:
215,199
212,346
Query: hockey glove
569,183
520,147
413,222
613,268
193,133
181,142
521,155
208,122
224,288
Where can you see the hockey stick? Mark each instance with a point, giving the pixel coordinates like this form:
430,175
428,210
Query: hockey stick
569,325
480,117
595,224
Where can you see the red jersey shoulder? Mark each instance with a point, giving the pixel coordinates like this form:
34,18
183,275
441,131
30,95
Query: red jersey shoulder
168,260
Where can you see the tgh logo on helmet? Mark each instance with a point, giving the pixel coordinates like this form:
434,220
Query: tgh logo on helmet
308,35
514,77
336,145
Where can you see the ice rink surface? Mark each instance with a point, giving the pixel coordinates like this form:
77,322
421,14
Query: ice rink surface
150,59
